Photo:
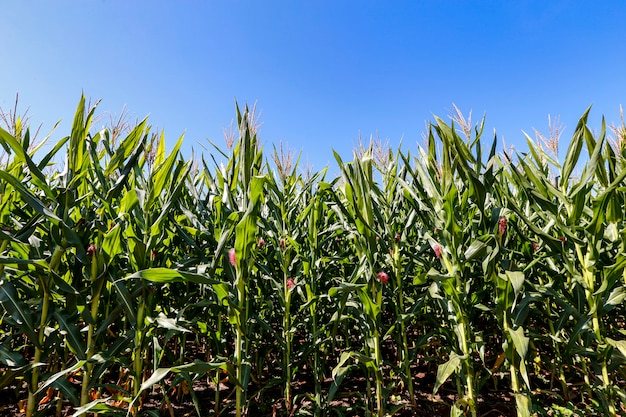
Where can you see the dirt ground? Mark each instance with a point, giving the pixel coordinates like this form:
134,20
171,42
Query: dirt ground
270,401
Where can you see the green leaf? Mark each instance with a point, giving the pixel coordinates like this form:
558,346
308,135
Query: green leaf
73,337
616,297
523,404
68,390
11,358
18,261
159,157
517,280
573,151
20,312
520,341
126,171
46,159
38,178
112,242
127,301
9,375
126,148
162,173
128,202
156,376
28,197
176,187
371,308
99,406
166,276
51,380
339,372
475,250
200,367
344,287
169,323
446,369
618,344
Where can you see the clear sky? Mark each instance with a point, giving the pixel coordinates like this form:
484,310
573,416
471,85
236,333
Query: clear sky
322,72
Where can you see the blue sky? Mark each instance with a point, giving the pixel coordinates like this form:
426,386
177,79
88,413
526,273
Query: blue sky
322,72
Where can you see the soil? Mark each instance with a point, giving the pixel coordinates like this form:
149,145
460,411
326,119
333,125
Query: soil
266,397
270,401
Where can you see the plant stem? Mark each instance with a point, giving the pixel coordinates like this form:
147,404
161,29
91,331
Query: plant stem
377,296
379,376
217,372
405,346
91,345
317,371
239,393
45,306
287,337
137,349
559,356
469,370
34,382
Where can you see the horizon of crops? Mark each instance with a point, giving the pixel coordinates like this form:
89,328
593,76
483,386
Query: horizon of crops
132,269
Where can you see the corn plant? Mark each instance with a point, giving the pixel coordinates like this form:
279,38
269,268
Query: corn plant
582,217
358,203
283,205
51,212
315,257
440,188
397,227
133,271
241,187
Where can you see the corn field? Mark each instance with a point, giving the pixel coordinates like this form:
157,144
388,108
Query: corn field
406,285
